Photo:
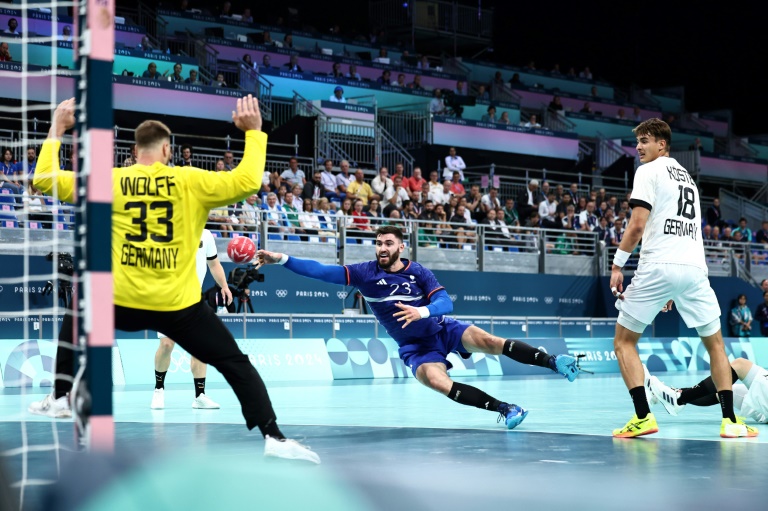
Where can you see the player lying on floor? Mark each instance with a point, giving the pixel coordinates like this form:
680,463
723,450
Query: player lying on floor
750,397
408,301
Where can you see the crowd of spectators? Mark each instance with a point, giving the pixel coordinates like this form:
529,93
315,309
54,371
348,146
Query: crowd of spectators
450,206
20,202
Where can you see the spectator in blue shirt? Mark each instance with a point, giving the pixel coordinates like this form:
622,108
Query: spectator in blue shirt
8,175
385,78
762,235
746,232
274,216
7,165
151,72
31,164
293,174
741,318
353,74
491,115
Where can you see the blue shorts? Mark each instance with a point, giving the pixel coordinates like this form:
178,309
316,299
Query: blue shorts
437,347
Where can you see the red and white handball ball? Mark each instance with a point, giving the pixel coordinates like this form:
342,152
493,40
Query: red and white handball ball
241,250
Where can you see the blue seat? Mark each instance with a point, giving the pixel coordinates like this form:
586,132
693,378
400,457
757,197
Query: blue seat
8,223
274,237
292,237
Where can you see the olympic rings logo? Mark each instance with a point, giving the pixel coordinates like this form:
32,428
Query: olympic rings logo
180,363
281,293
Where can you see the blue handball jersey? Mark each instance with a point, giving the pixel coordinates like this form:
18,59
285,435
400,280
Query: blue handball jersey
413,285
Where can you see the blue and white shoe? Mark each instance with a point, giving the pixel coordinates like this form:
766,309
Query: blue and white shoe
513,415
566,365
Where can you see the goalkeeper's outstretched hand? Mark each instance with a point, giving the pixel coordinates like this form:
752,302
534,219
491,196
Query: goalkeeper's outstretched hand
63,118
247,116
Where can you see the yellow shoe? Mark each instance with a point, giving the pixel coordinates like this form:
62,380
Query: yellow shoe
637,427
730,429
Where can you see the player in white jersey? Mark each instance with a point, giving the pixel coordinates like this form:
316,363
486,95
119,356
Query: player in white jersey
207,258
667,215
750,397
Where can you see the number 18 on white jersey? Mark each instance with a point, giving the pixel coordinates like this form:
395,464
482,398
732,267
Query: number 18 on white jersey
673,231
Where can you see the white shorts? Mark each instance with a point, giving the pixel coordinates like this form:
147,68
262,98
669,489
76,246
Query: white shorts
756,401
654,284
161,336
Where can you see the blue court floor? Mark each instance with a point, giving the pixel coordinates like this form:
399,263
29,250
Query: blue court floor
392,444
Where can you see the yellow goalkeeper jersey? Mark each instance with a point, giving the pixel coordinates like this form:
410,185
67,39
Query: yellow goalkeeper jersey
158,216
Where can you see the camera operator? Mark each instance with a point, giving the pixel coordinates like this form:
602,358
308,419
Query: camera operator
239,280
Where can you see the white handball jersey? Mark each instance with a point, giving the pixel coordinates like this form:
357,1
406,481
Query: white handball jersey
205,253
673,231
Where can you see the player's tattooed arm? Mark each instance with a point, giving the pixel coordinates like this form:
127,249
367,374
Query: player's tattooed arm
265,257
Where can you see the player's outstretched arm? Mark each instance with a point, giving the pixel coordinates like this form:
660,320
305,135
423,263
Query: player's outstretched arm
49,178
331,273
215,189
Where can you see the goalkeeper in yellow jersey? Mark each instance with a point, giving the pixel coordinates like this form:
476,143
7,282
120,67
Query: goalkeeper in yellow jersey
158,215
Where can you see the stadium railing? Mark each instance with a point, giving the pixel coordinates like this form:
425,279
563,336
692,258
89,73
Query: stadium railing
441,245
724,259
338,239
514,180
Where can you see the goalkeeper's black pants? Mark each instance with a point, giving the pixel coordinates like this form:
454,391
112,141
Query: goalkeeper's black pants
201,333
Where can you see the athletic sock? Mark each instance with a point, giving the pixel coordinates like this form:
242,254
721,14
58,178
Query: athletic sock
527,354
60,390
472,396
160,379
199,386
640,401
703,389
272,430
709,400
726,403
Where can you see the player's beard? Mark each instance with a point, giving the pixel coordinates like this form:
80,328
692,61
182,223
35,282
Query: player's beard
392,258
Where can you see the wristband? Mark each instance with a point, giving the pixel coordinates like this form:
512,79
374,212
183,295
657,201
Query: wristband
283,259
620,258
423,312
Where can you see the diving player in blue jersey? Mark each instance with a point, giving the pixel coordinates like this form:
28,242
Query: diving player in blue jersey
411,305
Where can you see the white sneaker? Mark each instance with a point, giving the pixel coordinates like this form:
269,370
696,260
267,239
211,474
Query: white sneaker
667,395
203,402
288,449
53,408
158,400
652,400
